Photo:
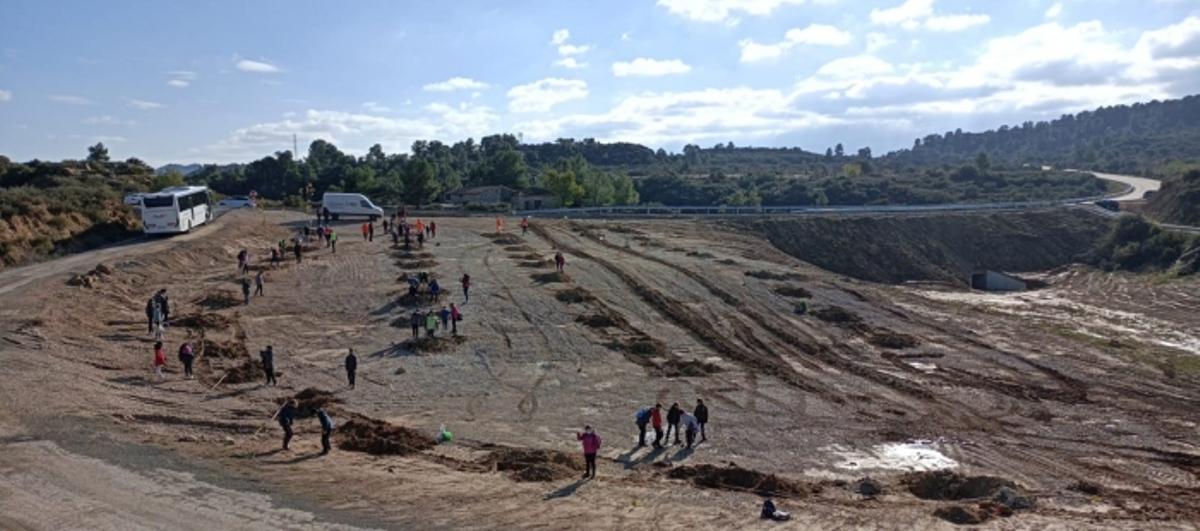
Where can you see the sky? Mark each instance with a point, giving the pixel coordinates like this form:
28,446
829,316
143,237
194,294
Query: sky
232,81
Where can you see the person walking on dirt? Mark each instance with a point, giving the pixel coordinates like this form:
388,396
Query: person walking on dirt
364,231
164,305
591,445
433,229
416,320
268,364
455,317
370,231
287,416
656,421
445,316
691,427
186,356
333,236
326,429
673,415
420,240
435,290
431,323
642,418
701,414
297,250
151,311
160,359
560,261
259,280
499,225
246,289
275,258
524,225
242,257
351,367
385,225
466,285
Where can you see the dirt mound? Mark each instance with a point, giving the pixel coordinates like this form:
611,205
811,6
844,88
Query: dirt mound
947,485
940,247
416,264
838,315
420,300
971,514
248,371
209,321
92,278
574,295
556,277
527,464
503,238
409,255
602,320
674,368
771,275
308,400
733,477
1086,487
882,337
433,345
218,300
793,291
224,349
375,437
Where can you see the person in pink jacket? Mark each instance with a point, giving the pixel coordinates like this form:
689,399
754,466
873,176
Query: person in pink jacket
591,445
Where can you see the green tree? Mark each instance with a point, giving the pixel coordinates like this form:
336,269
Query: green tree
168,179
838,150
981,162
624,192
420,184
98,153
562,183
598,189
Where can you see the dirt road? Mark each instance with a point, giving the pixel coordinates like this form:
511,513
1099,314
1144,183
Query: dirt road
873,380
1140,185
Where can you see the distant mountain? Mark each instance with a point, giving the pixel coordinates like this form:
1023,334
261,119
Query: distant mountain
185,169
1143,138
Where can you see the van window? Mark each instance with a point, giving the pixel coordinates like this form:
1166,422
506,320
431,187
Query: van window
364,203
159,201
199,198
185,202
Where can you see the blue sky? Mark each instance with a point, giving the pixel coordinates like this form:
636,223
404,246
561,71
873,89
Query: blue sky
225,81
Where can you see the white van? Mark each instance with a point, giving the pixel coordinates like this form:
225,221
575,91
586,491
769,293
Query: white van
350,205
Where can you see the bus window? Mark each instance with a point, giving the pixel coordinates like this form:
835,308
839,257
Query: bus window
185,202
158,201
199,198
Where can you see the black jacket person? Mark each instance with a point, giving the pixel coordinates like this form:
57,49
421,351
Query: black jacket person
351,367
287,415
268,363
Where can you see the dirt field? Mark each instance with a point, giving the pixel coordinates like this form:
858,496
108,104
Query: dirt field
1081,396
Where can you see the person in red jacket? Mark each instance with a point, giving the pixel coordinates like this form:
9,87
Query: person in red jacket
656,420
591,445
160,359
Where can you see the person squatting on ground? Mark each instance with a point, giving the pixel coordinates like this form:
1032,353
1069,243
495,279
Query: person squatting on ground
416,320
466,285
287,416
769,512
326,429
259,280
642,418
455,317
160,359
591,445
673,415
268,364
186,356
690,427
701,413
351,367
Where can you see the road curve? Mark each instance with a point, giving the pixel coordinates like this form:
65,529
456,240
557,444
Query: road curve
1140,185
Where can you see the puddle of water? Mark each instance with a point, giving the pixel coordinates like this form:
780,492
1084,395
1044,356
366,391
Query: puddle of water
912,456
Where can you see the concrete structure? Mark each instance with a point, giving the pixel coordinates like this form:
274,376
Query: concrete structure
535,199
996,281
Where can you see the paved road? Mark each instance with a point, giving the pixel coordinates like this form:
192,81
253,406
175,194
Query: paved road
1140,185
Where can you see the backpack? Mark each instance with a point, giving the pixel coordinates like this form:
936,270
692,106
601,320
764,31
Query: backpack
643,416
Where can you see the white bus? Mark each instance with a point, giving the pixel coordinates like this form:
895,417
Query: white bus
175,209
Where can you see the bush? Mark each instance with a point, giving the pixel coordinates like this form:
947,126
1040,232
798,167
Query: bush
1135,244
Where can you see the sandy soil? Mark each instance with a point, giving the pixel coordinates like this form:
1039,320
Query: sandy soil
1092,379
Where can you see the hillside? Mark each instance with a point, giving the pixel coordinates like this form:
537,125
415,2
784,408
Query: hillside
1178,201
49,208
1142,139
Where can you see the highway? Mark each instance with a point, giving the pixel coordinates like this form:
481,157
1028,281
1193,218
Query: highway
1138,185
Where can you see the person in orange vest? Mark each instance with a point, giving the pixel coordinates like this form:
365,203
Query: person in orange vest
499,225
420,227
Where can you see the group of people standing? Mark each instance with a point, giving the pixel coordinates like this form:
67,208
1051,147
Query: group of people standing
693,424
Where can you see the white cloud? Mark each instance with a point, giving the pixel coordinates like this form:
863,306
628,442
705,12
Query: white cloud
656,118
257,67
69,99
372,106
573,49
1175,41
878,41
560,37
626,36
813,34
145,105
912,14
106,120
569,63
178,83
955,22
544,94
1054,10
182,74
645,66
5,95
722,10
455,83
